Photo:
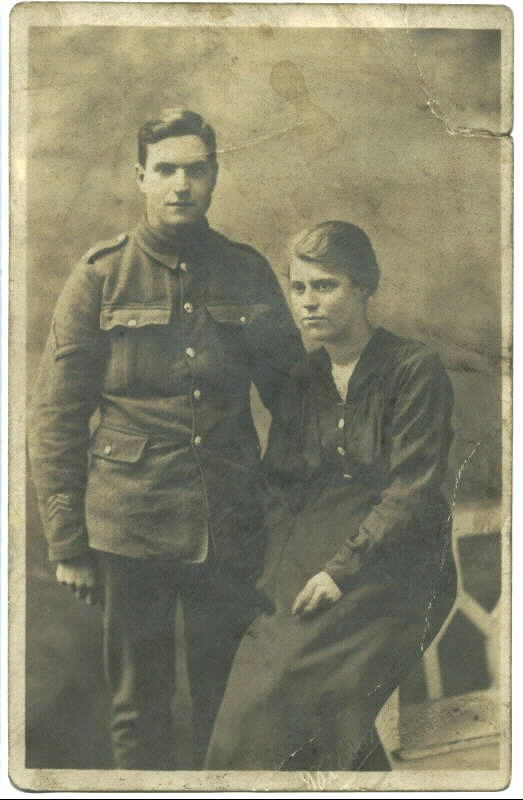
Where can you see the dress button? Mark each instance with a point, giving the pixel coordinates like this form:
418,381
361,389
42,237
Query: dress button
196,394
132,323
243,319
188,307
341,424
190,352
108,449
341,450
348,476
183,266
197,440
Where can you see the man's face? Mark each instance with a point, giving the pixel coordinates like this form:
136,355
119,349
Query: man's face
177,181
325,302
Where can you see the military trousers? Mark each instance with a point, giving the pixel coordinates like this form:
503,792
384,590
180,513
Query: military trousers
139,599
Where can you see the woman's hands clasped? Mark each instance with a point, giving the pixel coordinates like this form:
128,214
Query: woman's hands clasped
320,592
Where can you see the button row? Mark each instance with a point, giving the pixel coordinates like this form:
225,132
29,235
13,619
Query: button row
341,424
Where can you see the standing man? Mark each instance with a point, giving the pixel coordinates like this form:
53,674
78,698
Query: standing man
161,332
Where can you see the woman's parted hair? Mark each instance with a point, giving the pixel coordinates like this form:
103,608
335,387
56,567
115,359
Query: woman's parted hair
175,122
342,246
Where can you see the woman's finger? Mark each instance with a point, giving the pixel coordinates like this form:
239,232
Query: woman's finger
314,603
298,603
302,598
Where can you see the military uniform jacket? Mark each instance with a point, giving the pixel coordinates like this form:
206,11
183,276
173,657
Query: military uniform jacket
161,337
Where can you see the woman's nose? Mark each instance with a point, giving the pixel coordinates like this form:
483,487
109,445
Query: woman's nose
310,300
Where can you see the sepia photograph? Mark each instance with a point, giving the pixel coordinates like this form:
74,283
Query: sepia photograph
260,390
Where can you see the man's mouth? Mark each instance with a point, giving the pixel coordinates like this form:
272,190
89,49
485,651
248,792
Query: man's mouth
180,205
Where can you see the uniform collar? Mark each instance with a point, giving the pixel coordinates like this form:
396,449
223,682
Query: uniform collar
175,249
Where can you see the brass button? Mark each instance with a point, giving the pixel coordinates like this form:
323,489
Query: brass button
341,424
243,319
132,323
183,266
197,394
348,476
188,307
108,449
197,440
341,450
190,352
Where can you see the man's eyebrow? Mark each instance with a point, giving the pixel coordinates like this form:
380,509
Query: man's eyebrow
173,165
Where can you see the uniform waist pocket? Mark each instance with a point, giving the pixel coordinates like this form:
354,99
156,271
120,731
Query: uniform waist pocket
117,445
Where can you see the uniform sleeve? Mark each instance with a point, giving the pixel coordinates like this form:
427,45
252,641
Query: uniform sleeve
65,395
420,438
275,342
286,472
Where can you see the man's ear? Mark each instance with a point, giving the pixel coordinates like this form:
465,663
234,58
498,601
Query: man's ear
216,168
139,173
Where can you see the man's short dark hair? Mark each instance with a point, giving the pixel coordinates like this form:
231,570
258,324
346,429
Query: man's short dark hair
175,122
341,246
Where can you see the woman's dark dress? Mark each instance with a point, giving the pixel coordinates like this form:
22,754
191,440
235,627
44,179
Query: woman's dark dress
355,491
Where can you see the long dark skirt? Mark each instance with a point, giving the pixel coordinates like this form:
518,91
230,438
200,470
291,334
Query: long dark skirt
305,693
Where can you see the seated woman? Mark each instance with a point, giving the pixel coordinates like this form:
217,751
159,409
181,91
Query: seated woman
359,575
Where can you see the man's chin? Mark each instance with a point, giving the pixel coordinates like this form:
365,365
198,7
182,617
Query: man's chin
181,220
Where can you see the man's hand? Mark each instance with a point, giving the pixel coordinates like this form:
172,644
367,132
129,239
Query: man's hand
319,592
80,575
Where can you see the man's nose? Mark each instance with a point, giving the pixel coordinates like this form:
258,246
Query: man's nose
180,182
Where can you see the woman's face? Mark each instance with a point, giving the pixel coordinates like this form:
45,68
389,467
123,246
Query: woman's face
325,302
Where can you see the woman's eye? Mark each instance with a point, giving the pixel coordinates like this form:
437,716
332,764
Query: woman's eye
298,288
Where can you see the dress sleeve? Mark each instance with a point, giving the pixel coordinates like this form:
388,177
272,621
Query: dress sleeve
420,438
65,395
275,342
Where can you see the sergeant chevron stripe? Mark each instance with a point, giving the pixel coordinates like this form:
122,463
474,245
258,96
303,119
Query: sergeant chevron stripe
58,503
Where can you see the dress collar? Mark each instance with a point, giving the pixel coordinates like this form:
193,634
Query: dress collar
175,249
375,353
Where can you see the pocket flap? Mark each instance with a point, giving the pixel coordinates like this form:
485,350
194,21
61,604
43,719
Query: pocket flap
237,313
115,445
133,317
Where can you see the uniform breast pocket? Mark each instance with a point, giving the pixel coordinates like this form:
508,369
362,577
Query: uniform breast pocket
140,343
234,324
